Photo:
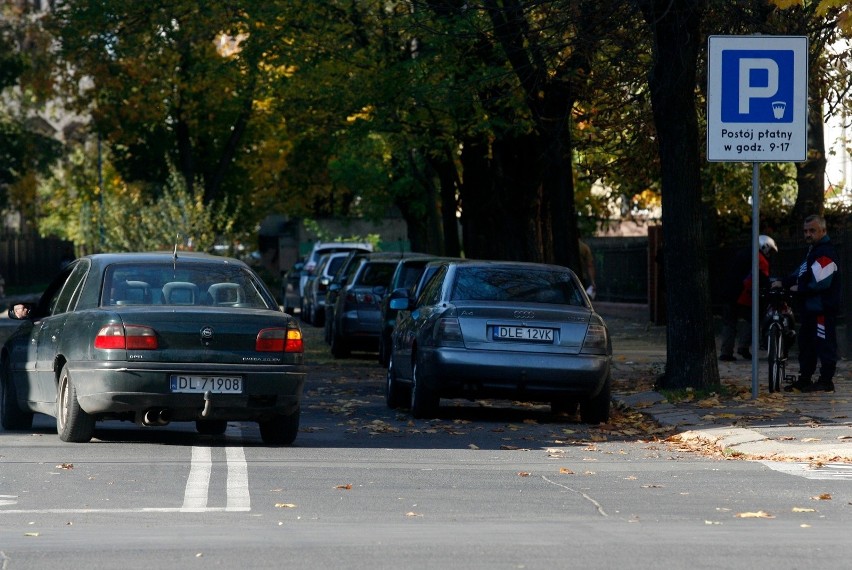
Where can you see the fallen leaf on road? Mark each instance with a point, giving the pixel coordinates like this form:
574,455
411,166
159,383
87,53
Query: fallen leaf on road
345,487
30,534
757,515
823,497
811,439
65,466
413,514
803,510
285,506
523,474
844,437
565,471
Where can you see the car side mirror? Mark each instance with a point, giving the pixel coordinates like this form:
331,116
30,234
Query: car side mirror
399,300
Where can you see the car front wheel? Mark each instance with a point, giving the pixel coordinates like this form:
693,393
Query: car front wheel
11,415
281,429
73,424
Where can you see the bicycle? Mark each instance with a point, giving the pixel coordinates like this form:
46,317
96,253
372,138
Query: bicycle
779,327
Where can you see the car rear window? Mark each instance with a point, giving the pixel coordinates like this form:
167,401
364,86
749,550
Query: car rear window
516,284
375,274
191,284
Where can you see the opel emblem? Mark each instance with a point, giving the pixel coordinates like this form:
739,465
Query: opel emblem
207,333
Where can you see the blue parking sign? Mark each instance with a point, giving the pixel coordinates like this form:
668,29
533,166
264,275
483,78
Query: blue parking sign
757,105
757,86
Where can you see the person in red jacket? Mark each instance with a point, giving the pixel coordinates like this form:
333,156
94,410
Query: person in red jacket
739,306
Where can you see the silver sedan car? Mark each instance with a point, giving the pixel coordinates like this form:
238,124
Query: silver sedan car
486,329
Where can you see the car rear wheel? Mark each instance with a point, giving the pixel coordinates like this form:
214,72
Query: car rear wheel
564,407
211,427
424,400
72,422
395,394
280,430
11,415
595,410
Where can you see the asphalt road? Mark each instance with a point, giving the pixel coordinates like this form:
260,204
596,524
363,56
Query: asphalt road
484,486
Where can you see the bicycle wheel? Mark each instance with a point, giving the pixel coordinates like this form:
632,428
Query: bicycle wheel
775,357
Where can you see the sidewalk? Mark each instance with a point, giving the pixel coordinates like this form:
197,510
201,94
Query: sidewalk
785,426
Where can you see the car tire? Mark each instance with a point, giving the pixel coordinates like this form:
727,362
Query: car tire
327,329
12,417
281,429
339,348
211,427
595,409
566,407
396,395
384,350
424,400
73,424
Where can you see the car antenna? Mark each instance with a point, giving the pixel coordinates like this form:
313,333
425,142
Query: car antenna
174,254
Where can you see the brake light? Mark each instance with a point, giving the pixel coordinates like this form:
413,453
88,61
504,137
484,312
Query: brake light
448,330
279,340
596,340
129,337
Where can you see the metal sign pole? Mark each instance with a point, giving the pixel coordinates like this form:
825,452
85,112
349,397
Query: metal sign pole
755,274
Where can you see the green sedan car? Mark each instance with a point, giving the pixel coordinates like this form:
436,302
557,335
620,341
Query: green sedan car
154,338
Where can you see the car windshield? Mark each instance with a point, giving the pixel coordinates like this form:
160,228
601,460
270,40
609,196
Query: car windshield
516,284
191,284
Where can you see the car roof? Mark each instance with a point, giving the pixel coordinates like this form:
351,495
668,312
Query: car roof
103,259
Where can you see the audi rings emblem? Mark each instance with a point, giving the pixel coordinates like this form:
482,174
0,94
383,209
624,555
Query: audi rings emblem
207,333
524,315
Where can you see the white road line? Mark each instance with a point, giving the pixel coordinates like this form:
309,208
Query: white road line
238,490
837,471
195,494
198,482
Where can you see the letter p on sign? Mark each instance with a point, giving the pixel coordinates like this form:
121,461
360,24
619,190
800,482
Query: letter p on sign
750,75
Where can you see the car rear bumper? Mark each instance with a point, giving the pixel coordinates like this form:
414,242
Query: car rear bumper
458,372
115,388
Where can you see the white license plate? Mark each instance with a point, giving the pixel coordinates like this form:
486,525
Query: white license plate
534,334
188,384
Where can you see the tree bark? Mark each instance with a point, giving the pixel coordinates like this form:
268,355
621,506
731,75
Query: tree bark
691,355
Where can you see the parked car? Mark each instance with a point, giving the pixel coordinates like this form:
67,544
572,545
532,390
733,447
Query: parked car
481,329
405,276
357,321
314,302
339,280
155,338
321,248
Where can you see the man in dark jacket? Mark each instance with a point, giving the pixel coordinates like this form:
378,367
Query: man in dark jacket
817,285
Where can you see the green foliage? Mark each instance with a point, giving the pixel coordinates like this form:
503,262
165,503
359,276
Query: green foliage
121,217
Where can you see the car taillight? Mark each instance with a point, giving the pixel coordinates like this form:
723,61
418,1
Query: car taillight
129,337
279,340
596,340
448,331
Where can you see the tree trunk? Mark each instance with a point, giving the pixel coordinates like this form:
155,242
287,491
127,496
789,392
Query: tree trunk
810,175
691,355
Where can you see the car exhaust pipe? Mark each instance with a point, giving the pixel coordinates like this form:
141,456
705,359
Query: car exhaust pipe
156,417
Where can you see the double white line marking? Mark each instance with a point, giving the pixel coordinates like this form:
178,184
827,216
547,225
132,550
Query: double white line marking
198,482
